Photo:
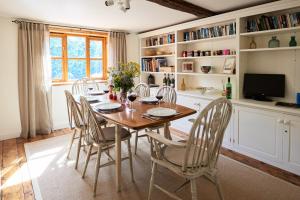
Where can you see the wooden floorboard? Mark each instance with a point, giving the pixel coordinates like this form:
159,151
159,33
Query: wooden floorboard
13,159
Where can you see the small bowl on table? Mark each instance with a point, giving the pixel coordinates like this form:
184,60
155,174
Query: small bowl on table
205,69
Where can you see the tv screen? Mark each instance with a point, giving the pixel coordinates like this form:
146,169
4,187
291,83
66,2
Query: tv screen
264,85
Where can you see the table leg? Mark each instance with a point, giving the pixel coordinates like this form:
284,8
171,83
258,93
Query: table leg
167,133
118,157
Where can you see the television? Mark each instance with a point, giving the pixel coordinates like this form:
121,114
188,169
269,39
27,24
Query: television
262,86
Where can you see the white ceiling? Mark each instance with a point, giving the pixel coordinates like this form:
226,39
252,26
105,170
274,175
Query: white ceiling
142,16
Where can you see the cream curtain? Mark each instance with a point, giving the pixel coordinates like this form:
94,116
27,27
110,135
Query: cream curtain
117,46
33,73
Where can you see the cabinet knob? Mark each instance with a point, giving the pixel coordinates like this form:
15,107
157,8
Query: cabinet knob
286,122
280,121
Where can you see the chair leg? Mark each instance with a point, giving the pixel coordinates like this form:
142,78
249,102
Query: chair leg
78,149
136,141
71,143
130,159
194,189
154,166
219,189
87,160
97,169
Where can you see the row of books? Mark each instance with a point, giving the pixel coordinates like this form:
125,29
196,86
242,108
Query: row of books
153,64
160,40
216,31
263,22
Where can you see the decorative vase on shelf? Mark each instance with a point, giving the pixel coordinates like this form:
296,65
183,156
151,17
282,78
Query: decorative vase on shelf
252,44
182,87
293,41
274,42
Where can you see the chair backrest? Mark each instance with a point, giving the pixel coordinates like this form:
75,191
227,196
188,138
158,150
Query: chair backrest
73,110
79,87
206,136
94,130
169,94
142,90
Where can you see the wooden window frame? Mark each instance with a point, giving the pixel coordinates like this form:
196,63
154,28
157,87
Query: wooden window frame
64,58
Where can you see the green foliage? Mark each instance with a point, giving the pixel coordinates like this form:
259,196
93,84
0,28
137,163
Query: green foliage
123,75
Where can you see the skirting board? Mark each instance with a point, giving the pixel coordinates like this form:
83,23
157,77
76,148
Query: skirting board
9,136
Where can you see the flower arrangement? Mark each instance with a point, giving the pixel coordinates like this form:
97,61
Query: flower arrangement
122,76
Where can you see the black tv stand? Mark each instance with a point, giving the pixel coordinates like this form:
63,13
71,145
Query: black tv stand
261,97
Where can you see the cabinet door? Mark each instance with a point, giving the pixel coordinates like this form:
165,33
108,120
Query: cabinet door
228,135
184,124
291,142
257,133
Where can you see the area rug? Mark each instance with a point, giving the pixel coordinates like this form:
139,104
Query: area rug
54,177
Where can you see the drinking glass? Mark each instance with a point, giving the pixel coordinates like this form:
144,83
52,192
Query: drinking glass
131,97
159,97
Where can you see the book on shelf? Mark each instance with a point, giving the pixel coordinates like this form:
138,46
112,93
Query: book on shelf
215,31
160,40
264,22
153,64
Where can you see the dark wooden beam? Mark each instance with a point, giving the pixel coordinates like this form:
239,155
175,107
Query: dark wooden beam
184,7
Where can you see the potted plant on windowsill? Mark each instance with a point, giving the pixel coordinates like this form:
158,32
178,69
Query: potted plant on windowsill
122,77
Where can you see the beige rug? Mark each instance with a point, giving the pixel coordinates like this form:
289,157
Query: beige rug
54,177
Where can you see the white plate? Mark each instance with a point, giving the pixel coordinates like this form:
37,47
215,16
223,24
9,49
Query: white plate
96,93
149,99
161,112
108,106
91,98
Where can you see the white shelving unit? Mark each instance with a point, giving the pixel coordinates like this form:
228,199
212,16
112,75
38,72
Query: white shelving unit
270,49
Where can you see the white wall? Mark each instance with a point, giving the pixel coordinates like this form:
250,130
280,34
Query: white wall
10,126
132,42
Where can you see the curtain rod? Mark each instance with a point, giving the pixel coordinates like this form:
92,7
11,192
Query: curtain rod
17,21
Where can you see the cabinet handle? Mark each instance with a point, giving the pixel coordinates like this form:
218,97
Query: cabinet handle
280,121
286,122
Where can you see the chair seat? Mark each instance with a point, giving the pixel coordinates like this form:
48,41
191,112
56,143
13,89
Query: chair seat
109,133
175,155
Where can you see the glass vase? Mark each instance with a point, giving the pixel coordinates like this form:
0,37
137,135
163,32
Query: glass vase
274,42
293,41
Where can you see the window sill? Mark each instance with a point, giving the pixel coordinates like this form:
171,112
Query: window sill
71,82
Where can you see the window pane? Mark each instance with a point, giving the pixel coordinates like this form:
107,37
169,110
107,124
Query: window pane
96,49
76,47
76,69
96,68
56,69
56,46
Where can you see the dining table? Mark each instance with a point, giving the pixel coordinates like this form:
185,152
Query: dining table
136,120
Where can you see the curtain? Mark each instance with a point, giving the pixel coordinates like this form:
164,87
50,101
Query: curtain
117,45
33,79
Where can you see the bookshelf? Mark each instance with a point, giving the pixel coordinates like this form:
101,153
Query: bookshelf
283,59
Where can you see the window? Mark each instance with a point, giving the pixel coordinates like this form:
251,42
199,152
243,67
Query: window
77,56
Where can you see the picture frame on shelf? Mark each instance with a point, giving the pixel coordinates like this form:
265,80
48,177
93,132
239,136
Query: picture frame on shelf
162,62
229,66
187,67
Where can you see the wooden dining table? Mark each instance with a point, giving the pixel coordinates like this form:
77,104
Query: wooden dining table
136,120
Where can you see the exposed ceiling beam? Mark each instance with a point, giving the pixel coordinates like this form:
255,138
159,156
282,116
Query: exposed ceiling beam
184,7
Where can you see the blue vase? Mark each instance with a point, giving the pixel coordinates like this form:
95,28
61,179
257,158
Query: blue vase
274,42
293,42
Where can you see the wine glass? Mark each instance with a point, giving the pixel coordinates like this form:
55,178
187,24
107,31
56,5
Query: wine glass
159,97
106,91
131,97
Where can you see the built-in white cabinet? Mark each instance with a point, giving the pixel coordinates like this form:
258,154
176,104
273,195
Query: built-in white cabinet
291,142
269,136
257,132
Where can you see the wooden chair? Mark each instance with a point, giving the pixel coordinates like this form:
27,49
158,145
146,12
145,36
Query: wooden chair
142,90
81,86
169,95
75,114
197,156
101,138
